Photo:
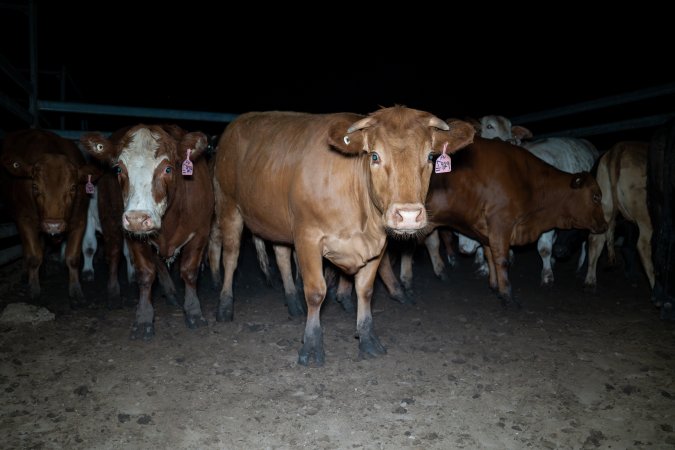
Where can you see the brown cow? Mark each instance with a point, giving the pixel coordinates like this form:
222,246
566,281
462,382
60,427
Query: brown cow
333,185
164,211
622,176
502,195
44,188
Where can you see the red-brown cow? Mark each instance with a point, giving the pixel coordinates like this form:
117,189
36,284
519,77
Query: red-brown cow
502,195
164,211
44,188
333,185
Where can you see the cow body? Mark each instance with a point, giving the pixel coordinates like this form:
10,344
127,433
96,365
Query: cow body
568,154
622,176
44,188
165,212
661,201
502,195
333,186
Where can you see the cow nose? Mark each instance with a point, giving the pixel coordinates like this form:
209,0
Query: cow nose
408,217
137,221
53,226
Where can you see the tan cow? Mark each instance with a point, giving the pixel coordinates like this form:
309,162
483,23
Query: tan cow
334,186
622,176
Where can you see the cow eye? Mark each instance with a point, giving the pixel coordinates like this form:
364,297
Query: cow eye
167,169
489,126
375,157
431,156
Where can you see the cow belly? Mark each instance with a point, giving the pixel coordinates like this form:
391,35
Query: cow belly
350,254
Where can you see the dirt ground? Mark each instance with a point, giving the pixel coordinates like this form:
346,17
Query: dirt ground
570,370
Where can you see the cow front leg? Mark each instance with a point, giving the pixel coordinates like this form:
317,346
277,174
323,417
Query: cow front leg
310,263
498,258
369,344
189,271
143,327
544,247
73,259
394,288
433,245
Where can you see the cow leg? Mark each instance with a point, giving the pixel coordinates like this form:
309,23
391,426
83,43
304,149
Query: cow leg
492,280
112,241
310,263
484,269
166,283
407,270
391,283
283,254
189,270
231,227
143,327
545,247
73,260
263,260
450,254
644,248
369,344
596,242
33,251
131,271
432,243
213,254
89,242
499,254
344,293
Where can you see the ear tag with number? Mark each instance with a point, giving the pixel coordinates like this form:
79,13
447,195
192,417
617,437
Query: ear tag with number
443,163
187,164
89,187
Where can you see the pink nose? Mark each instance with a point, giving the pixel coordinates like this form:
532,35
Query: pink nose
137,221
407,217
53,226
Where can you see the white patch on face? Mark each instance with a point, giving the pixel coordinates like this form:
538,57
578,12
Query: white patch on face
140,161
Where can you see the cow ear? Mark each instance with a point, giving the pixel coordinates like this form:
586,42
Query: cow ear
475,123
17,167
459,135
89,172
98,146
520,133
196,142
350,139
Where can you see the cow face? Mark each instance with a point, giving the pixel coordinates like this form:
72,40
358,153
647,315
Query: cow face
499,127
147,160
400,146
55,181
586,205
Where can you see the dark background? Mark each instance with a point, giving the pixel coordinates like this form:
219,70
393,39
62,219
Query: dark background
328,58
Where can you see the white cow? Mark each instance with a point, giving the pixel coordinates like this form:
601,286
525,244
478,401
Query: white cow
567,154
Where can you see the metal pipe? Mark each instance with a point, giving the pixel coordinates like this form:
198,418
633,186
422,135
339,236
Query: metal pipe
15,108
32,24
642,122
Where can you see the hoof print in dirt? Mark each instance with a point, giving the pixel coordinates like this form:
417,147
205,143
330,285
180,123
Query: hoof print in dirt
195,321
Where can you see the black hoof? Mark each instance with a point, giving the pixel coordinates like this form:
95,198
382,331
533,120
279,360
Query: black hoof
371,348
306,357
225,311
145,331
403,297
194,321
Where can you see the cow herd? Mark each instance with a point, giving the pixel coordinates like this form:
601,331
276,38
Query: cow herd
330,188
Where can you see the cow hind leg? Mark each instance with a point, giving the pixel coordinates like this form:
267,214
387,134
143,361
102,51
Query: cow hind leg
596,242
283,254
394,288
644,249
544,247
344,293
433,245
167,284
191,307
231,227
213,255
73,255
369,344
482,266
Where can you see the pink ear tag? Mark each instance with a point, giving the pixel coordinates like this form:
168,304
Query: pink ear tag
89,187
187,164
443,163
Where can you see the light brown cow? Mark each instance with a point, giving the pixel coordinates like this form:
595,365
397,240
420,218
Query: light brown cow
44,189
332,185
164,211
622,176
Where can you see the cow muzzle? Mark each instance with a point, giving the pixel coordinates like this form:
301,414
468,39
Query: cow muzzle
139,222
406,218
53,227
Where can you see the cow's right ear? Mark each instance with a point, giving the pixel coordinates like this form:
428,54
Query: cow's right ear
520,133
475,123
351,139
17,167
98,146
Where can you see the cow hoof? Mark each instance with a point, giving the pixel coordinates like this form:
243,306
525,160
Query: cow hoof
172,301
194,321
370,347
347,303
225,311
401,296
305,357
145,331
88,275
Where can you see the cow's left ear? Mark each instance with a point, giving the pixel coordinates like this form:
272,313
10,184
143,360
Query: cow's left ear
520,133
99,147
17,167
351,139
196,142
89,172
456,133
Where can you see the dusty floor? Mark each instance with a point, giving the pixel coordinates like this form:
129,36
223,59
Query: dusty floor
570,370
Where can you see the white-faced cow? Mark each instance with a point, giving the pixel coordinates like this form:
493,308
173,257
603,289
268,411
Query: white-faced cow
622,176
43,185
165,210
334,186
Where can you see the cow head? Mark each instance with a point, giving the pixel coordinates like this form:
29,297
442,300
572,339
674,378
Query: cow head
55,182
399,146
147,160
586,206
499,127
